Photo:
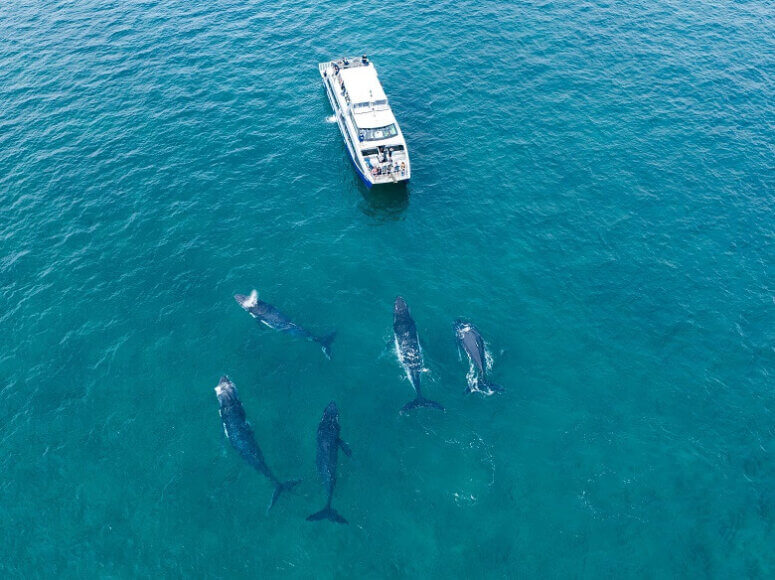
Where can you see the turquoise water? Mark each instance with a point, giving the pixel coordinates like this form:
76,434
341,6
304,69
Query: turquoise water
593,185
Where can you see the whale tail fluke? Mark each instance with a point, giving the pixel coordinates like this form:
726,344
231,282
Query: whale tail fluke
421,402
492,387
281,487
325,343
327,513
478,384
484,386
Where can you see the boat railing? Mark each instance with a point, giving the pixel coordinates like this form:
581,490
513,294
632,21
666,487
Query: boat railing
352,62
394,170
337,83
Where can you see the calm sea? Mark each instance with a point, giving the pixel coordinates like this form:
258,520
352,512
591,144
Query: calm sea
593,186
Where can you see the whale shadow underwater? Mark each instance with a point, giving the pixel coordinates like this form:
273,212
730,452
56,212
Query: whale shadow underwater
470,341
409,353
329,443
240,434
271,317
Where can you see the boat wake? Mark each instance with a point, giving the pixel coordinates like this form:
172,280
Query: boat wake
331,119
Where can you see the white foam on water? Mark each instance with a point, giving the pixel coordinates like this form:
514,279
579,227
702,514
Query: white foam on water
464,500
471,377
477,454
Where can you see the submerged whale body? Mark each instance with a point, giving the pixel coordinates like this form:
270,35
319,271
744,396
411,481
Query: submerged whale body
471,342
409,353
240,435
328,444
276,320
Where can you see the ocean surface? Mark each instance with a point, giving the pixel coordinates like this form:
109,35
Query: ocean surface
593,186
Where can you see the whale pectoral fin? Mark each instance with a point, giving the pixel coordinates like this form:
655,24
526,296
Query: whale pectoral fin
345,448
325,343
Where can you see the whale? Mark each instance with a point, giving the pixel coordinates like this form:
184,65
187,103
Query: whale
240,434
409,354
270,316
328,445
470,341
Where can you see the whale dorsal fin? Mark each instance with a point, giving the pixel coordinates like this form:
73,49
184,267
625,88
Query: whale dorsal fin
252,299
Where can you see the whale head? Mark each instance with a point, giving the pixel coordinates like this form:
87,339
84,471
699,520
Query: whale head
331,414
226,392
247,302
400,307
462,327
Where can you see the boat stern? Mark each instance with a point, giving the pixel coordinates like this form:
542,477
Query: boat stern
386,164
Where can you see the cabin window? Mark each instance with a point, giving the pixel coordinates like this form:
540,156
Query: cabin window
378,133
365,106
375,151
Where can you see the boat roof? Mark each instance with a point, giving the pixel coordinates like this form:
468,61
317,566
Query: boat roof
375,118
362,84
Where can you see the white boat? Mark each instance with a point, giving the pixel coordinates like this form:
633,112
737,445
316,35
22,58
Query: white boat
371,132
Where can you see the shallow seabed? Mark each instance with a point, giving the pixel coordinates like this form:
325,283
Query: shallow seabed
593,186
